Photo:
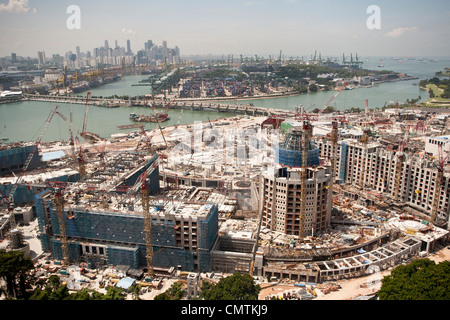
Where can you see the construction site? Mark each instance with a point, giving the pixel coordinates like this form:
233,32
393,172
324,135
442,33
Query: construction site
307,199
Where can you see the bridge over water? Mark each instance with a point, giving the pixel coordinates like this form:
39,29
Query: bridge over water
194,105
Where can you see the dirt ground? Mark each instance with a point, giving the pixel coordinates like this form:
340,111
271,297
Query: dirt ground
352,288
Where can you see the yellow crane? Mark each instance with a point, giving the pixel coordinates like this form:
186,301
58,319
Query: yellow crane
364,140
439,179
147,227
59,205
306,136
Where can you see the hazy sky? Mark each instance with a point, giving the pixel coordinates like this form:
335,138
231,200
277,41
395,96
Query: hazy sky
263,27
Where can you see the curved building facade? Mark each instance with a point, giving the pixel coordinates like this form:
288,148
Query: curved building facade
281,189
289,153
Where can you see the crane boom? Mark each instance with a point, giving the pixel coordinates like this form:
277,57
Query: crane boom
333,97
31,155
86,112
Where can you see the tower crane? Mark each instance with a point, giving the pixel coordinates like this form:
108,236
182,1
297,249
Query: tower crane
306,137
147,226
334,138
179,118
258,230
83,130
364,141
439,179
59,204
72,141
80,160
399,168
333,97
31,156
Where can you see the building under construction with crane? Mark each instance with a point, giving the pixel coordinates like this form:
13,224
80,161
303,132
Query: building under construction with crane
115,217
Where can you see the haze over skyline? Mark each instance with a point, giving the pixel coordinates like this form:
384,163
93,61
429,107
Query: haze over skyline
263,27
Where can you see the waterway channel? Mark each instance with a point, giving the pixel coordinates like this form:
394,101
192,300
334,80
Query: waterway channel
22,121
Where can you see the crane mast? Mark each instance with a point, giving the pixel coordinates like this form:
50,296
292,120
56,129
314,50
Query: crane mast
439,179
398,169
364,140
147,227
59,204
31,156
306,136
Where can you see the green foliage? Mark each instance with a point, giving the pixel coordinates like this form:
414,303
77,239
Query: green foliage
440,83
54,290
175,292
14,270
235,287
419,280
313,88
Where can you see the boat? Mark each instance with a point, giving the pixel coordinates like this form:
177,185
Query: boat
151,118
381,66
109,105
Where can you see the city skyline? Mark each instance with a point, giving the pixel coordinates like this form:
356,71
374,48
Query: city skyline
199,27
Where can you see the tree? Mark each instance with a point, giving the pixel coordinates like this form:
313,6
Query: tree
420,280
114,293
235,287
175,292
312,88
14,269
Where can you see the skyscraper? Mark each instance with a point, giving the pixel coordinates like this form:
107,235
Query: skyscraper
128,48
41,57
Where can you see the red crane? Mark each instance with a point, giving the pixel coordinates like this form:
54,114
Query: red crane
333,97
31,155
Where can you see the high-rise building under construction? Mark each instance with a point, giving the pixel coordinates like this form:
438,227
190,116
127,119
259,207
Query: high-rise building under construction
294,195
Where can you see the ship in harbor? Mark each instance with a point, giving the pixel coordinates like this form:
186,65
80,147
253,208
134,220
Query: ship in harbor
150,118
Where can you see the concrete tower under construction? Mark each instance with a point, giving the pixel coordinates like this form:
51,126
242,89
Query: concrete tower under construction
295,197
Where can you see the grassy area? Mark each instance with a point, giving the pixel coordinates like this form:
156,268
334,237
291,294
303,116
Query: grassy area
437,96
437,91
